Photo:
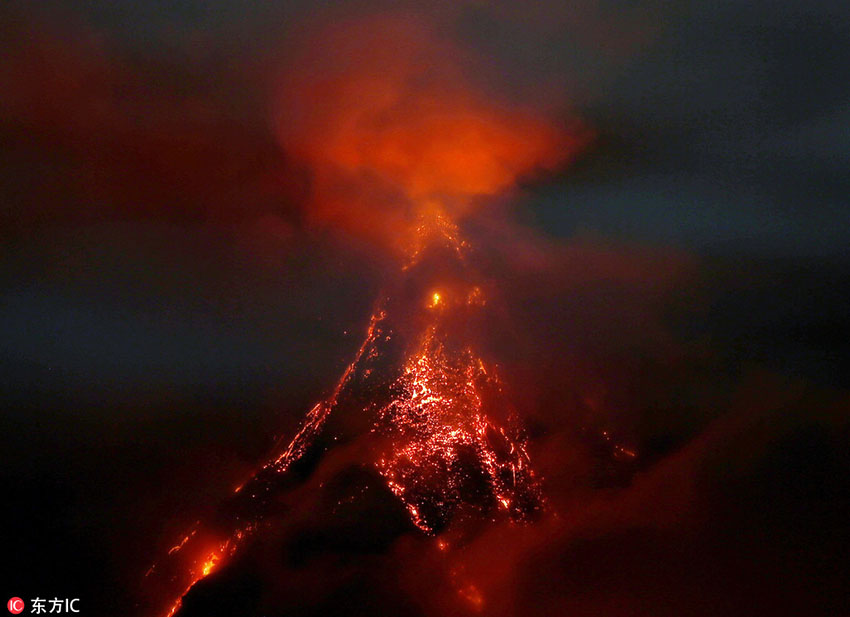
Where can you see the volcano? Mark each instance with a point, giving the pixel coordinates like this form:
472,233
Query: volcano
426,418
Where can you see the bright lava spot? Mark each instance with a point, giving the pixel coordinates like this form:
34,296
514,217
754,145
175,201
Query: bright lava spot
209,564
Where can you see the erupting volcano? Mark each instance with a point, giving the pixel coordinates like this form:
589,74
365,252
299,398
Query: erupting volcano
425,309
400,155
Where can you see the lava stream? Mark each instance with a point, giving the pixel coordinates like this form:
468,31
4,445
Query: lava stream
426,402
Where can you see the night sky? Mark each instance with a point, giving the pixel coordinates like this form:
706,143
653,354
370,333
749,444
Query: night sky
172,300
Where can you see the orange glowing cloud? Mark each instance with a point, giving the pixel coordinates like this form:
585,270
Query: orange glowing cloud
382,114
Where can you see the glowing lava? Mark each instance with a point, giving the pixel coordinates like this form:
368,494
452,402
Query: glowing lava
446,454
428,399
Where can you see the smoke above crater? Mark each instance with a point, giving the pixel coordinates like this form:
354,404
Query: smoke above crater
385,115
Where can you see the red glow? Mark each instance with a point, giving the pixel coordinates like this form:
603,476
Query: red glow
390,127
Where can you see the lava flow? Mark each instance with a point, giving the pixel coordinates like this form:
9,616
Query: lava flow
445,452
440,432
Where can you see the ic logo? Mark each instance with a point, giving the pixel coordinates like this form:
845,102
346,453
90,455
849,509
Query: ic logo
15,606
